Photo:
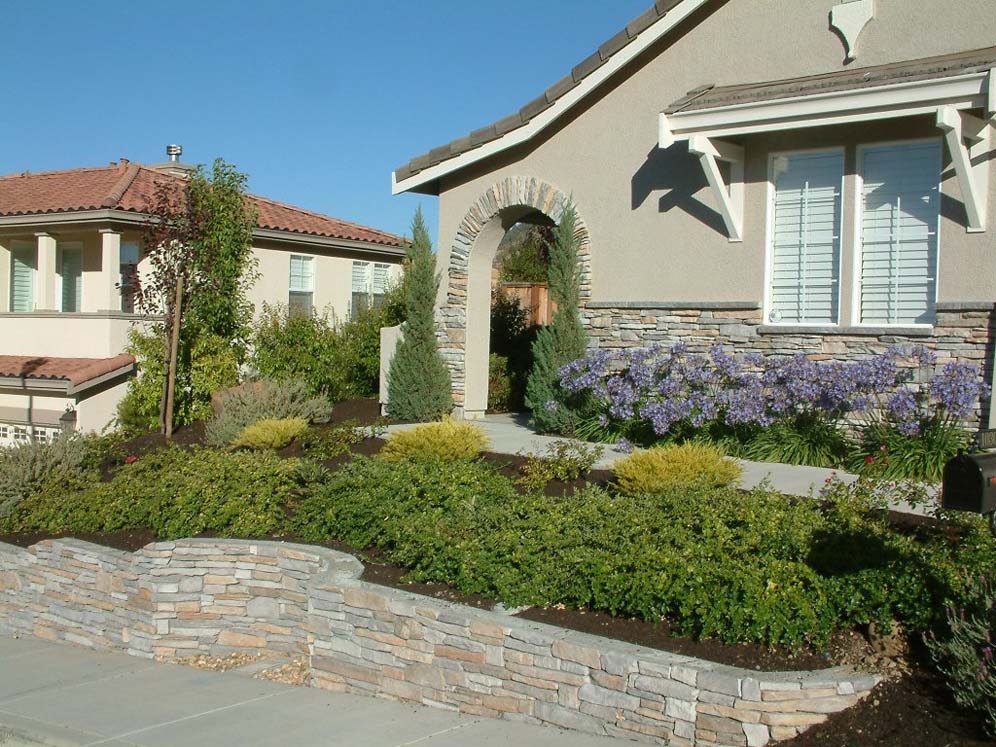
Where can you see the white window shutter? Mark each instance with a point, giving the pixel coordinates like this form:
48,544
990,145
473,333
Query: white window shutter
71,273
359,283
900,213
22,286
380,275
805,261
302,276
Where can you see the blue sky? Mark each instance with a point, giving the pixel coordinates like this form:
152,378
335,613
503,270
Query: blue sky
317,100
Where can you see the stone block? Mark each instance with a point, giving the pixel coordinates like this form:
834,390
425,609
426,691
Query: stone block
240,640
606,697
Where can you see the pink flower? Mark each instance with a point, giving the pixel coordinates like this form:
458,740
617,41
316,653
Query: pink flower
131,459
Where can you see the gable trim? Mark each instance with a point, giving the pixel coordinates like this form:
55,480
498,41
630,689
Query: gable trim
619,59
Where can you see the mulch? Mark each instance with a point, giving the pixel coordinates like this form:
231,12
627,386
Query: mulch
914,711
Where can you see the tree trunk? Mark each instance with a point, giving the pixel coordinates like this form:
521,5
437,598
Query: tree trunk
174,345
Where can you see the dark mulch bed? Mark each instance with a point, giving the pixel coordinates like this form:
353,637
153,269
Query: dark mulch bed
914,711
361,411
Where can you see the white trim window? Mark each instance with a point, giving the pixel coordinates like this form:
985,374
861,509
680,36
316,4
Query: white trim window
369,285
805,230
23,269
301,292
898,234
71,276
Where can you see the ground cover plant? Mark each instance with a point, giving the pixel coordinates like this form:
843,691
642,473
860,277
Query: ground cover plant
272,433
789,409
714,562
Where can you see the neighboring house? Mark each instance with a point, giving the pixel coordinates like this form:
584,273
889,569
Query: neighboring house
778,176
69,241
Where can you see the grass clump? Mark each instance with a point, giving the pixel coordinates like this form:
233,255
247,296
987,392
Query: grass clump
270,434
264,400
448,440
663,467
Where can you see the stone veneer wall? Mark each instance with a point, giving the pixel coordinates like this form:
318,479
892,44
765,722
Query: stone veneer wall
962,331
451,316
215,596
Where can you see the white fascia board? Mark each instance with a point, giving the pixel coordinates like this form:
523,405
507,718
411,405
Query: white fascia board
102,215
541,121
329,243
818,110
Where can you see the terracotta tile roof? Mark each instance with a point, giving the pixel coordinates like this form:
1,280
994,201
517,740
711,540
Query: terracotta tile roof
130,187
543,102
928,68
74,370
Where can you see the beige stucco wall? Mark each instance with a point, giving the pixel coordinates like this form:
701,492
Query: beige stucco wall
333,279
655,233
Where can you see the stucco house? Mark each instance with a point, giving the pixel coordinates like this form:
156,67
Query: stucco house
777,176
70,239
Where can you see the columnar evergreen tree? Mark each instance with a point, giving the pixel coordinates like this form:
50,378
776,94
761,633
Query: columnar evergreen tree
564,339
418,384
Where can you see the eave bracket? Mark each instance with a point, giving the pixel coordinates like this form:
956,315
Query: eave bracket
969,141
730,198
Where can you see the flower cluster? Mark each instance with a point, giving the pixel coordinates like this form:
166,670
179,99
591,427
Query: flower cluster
671,388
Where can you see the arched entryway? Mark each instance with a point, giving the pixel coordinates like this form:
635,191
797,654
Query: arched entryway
464,314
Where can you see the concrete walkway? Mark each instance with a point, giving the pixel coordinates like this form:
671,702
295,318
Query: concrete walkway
511,434
62,696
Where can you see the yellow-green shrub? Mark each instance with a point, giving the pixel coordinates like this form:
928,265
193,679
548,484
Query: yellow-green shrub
663,467
272,433
448,440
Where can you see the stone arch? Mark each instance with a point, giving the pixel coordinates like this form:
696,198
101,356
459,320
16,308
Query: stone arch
464,313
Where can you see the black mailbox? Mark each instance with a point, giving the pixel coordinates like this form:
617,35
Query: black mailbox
970,483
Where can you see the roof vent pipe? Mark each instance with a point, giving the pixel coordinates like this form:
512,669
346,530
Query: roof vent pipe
174,152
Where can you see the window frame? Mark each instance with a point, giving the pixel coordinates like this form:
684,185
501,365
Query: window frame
858,245
769,241
310,263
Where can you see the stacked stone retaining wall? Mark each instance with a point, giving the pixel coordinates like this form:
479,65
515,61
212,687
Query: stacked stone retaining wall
216,596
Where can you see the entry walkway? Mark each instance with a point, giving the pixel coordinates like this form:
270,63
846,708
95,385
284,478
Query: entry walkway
61,696
511,434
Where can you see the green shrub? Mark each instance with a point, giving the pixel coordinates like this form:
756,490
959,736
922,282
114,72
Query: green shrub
566,461
447,440
499,384
174,491
264,400
663,467
272,434
328,443
805,439
714,562
966,652
209,365
24,467
512,338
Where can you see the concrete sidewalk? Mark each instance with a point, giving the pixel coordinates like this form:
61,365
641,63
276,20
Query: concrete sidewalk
62,696
511,434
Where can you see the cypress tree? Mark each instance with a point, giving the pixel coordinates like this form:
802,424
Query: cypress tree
564,339
418,384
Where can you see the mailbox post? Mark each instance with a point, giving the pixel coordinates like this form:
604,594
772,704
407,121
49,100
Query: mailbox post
969,484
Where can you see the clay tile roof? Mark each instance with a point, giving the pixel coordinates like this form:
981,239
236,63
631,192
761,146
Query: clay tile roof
540,104
928,68
74,370
131,186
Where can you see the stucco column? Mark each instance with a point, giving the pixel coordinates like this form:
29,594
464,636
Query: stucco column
108,295
4,276
45,299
